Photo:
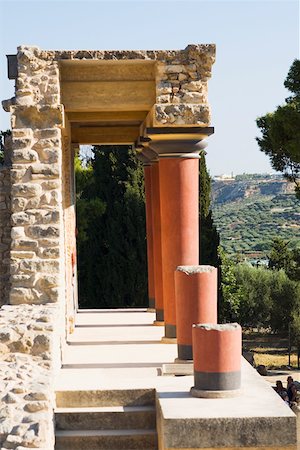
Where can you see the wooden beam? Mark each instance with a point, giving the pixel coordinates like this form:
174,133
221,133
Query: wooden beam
108,95
106,116
93,70
105,135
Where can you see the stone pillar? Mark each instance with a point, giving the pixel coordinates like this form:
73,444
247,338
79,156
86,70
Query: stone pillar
196,292
37,246
217,351
179,197
149,232
5,225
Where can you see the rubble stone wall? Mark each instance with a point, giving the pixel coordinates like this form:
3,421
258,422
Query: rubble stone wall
37,249
29,356
5,231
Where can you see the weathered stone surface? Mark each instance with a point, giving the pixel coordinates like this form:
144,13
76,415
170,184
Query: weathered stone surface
48,170
17,232
24,244
19,204
26,380
182,114
26,190
25,156
43,231
49,252
21,219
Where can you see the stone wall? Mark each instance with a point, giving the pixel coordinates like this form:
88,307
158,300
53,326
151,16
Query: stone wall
182,87
32,327
29,357
5,230
37,248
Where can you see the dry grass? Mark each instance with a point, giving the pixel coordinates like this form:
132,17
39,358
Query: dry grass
274,361
269,349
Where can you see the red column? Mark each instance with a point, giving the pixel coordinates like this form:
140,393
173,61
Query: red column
157,247
196,290
148,195
217,359
179,186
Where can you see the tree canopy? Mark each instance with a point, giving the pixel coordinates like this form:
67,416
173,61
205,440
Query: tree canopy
111,241
280,130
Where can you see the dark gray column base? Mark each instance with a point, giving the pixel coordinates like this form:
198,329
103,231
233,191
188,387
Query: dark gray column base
151,302
217,381
160,315
170,331
185,352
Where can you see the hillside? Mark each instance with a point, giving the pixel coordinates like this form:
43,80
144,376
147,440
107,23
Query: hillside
249,212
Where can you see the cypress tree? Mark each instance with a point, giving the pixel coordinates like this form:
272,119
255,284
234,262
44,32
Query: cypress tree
209,237
112,261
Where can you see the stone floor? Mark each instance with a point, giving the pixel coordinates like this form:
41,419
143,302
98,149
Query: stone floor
122,349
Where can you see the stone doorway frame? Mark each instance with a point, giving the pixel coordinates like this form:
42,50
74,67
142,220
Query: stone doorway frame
155,100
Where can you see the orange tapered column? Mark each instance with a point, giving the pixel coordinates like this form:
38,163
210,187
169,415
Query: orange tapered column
149,232
178,150
196,289
178,178
157,245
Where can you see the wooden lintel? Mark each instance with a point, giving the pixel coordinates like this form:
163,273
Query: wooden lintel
109,70
108,95
106,116
105,135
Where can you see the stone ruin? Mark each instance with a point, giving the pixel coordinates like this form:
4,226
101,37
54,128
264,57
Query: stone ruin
64,99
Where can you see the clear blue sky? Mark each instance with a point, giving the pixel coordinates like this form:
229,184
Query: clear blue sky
256,43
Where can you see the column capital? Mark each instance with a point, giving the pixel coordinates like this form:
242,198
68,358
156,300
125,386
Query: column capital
178,142
146,155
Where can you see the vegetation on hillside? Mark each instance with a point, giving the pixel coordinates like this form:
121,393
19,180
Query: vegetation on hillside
264,298
248,222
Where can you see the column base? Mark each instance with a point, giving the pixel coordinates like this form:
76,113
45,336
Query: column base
215,394
185,352
160,315
166,340
183,361
170,331
151,303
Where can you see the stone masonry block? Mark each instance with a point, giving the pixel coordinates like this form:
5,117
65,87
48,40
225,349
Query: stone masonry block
43,231
26,190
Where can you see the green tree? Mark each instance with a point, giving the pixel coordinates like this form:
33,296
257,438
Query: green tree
231,292
281,131
286,302
256,295
280,255
209,236
112,245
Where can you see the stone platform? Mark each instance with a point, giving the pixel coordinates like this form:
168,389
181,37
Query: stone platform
121,351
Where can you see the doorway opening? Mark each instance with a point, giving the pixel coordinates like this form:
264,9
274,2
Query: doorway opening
111,230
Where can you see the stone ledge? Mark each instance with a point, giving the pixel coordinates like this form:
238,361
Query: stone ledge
253,420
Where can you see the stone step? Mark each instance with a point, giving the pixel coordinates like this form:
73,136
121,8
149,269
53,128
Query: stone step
106,418
100,398
106,439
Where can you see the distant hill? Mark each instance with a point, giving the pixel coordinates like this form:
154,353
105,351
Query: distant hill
249,211
235,190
